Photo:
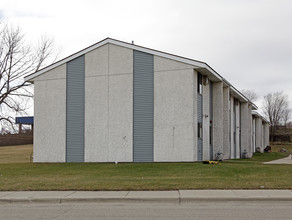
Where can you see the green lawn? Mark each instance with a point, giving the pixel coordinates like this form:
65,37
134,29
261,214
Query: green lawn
232,174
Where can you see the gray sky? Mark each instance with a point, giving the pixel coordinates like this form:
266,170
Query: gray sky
248,42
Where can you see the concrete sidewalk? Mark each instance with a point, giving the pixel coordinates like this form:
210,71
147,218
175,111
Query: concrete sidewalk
177,196
286,160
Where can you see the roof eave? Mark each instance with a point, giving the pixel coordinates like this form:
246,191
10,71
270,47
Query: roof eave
258,115
237,94
65,60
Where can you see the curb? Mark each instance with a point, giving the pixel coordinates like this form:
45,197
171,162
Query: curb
239,199
31,201
132,200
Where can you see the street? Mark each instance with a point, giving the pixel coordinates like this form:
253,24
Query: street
147,210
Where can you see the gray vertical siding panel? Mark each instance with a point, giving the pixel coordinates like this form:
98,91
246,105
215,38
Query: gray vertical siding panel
75,110
200,149
211,118
143,107
200,108
239,117
234,126
200,120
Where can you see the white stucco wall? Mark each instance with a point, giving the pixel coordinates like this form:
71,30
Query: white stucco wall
267,134
97,62
120,60
96,119
121,118
195,115
120,104
206,122
237,109
245,124
96,105
258,134
217,117
162,65
50,116
109,104
173,111
263,136
250,138
226,121
253,134
232,147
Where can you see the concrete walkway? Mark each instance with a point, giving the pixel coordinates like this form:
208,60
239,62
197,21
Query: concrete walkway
177,196
286,160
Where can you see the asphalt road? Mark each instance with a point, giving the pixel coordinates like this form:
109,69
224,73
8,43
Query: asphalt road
146,210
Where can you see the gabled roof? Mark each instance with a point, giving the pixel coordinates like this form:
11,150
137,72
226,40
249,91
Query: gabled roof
202,67
198,64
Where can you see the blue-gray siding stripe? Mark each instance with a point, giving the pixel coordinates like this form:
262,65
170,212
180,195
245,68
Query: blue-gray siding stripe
75,110
143,113
234,126
200,108
200,120
211,118
211,100
200,149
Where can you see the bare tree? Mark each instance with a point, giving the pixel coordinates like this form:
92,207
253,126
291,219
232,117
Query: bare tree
286,117
276,109
251,95
18,59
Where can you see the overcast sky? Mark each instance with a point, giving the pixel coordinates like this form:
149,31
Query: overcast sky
248,42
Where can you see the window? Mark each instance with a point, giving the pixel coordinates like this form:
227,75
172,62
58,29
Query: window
211,133
199,83
200,132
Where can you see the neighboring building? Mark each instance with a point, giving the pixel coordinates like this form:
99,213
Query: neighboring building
25,120
261,129
116,101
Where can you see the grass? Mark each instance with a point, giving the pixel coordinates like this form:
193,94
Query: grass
276,146
15,154
232,174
